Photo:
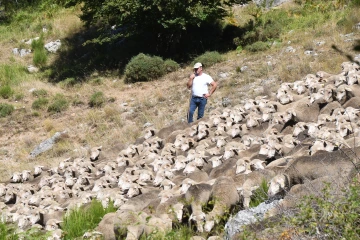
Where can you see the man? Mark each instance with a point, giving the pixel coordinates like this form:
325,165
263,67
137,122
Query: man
199,83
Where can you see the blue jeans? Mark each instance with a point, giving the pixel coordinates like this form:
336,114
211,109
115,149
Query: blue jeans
196,102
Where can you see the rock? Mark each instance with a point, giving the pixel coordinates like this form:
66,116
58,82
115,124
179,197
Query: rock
270,3
290,49
246,217
53,47
47,144
32,69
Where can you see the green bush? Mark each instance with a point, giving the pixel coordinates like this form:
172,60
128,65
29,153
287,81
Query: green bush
40,103
209,58
142,68
6,109
171,65
84,219
6,91
40,54
257,47
97,100
58,104
40,93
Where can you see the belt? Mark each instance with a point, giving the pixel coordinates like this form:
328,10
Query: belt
197,96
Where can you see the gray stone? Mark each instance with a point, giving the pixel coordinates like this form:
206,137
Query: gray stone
46,145
246,217
270,3
53,47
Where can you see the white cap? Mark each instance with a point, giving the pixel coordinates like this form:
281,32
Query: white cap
197,65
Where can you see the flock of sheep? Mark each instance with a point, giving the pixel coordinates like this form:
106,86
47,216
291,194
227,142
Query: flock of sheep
168,176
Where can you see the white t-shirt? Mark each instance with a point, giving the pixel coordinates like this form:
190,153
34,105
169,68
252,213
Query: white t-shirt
200,85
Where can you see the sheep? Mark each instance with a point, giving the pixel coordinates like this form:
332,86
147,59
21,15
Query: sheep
198,195
106,226
345,92
225,196
173,207
95,153
161,223
132,222
16,177
233,148
339,164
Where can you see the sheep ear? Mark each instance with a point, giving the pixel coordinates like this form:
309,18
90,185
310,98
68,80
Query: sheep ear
348,89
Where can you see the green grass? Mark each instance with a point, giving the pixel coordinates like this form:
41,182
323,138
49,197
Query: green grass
40,103
6,92
12,74
84,219
97,99
259,195
6,109
58,104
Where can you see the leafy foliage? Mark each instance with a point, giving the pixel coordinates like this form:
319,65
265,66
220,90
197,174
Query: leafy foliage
209,58
329,216
6,109
142,68
167,18
257,47
171,65
40,54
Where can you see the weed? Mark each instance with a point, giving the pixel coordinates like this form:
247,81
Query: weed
40,103
97,99
39,93
40,54
6,109
259,195
58,104
68,83
12,74
18,96
84,219
257,47
6,91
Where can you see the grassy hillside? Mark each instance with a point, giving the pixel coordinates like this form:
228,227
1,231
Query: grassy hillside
102,110
125,108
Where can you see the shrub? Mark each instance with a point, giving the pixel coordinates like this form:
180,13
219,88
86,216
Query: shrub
58,104
6,109
83,219
97,100
40,54
171,66
39,93
209,58
257,47
40,103
6,91
142,68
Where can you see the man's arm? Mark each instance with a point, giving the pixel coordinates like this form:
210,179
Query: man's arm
190,82
212,90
